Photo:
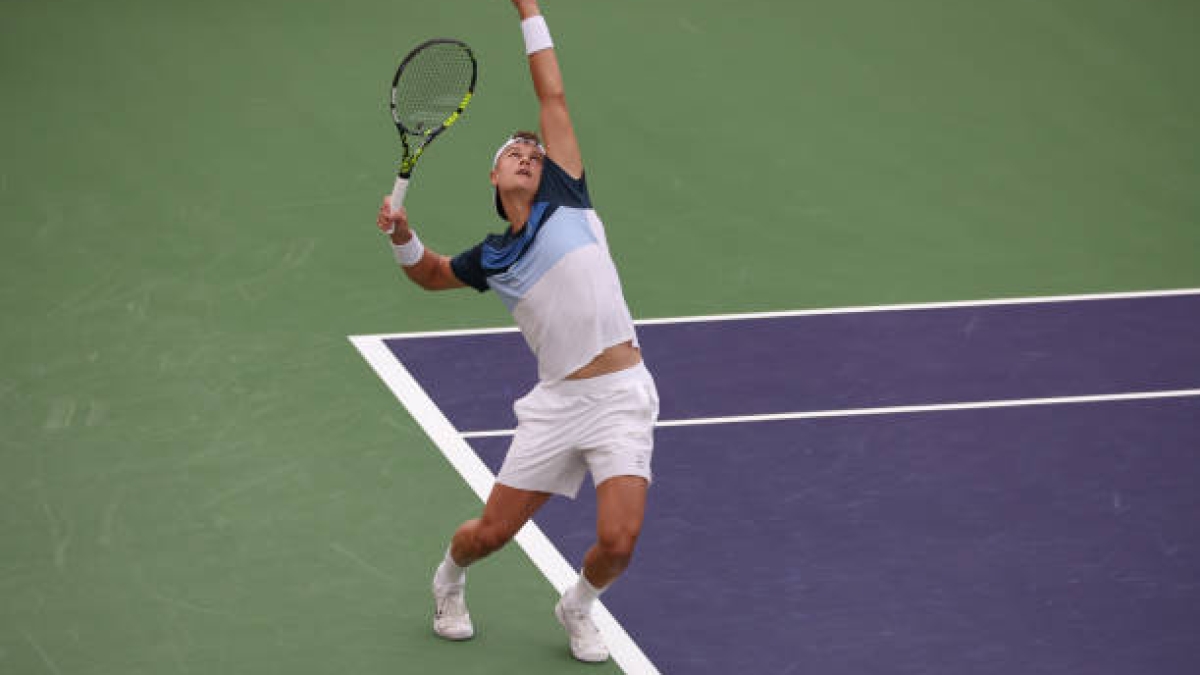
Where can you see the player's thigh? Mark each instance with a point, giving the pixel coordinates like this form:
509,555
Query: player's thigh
509,508
620,509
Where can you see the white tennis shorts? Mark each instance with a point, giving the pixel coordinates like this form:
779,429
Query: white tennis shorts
565,428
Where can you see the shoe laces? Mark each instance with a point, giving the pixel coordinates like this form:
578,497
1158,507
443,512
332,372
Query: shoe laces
581,624
451,604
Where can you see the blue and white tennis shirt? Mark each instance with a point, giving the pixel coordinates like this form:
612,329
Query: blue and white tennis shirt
556,277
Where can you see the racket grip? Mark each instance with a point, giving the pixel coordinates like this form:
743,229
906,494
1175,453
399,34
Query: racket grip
398,192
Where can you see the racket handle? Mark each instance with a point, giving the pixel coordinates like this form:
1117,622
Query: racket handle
398,192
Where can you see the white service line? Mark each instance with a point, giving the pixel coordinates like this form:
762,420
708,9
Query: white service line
545,556
625,652
895,410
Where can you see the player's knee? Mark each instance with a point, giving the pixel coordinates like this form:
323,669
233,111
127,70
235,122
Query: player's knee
617,543
491,539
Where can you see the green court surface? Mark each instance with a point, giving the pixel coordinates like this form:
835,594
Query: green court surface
199,474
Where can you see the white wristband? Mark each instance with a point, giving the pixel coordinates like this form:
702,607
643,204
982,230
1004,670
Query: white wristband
410,252
537,35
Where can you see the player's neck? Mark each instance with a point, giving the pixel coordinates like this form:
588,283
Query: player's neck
518,211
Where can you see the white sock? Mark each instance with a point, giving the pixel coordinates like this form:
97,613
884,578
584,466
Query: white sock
582,594
449,573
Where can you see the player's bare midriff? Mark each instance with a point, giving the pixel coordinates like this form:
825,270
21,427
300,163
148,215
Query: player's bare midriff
611,360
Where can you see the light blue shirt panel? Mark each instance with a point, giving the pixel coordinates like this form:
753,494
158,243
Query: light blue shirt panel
566,230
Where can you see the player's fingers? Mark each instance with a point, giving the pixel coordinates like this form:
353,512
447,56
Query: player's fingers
383,221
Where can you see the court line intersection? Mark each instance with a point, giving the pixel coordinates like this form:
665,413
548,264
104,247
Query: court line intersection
454,445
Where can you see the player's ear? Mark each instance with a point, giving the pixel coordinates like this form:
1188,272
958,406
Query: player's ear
493,179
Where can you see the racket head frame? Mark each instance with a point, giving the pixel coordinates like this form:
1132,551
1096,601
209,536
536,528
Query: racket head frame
415,141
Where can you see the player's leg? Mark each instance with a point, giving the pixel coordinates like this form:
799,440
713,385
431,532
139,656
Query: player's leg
620,509
506,511
619,458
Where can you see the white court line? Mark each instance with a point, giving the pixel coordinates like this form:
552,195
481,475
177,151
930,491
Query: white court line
625,652
545,556
995,302
895,410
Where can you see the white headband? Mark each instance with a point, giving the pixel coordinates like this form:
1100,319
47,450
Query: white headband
511,142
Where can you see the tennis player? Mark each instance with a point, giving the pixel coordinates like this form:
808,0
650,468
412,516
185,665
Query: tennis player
595,404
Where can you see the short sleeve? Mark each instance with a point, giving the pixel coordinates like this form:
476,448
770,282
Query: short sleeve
468,267
560,189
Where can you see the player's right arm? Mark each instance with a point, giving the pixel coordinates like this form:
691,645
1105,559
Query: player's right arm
558,134
432,271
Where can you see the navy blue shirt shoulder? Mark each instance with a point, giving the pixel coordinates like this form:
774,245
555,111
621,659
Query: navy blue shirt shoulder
497,252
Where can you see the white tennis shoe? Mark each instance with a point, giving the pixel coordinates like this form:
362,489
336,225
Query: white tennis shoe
586,643
451,619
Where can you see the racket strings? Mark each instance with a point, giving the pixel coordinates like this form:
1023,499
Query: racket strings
432,86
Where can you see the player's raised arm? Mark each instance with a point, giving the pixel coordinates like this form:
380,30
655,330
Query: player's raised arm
558,135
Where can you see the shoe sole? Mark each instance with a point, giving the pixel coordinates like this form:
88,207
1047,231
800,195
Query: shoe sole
454,637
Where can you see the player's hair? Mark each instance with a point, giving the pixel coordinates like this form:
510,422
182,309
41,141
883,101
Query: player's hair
527,136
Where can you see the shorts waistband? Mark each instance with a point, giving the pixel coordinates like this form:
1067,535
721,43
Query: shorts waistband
598,384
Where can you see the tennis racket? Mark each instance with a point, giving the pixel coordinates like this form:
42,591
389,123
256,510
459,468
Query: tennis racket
430,90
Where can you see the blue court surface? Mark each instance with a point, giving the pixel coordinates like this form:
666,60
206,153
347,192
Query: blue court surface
1001,487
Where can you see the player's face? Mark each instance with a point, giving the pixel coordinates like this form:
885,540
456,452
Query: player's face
520,165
